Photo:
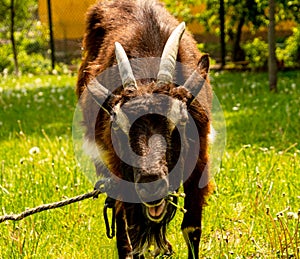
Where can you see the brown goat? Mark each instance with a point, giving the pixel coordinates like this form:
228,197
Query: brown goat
146,101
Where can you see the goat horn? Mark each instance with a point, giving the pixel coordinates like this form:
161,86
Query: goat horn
99,93
124,67
169,56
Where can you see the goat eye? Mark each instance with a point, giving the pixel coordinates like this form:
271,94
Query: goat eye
129,89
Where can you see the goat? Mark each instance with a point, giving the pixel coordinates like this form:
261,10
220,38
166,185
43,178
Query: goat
146,100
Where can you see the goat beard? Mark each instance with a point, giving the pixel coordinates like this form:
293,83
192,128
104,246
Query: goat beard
145,232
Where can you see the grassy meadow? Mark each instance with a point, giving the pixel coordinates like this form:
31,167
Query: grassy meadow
253,212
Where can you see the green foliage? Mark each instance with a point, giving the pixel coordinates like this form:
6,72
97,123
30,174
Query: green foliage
30,37
25,12
258,179
256,53
181,9
32,48
290,53
35,39
288,9
5,57
287,54
250,13
33,63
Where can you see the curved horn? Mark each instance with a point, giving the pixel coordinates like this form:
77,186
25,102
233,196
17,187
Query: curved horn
169,56
124,67
99,93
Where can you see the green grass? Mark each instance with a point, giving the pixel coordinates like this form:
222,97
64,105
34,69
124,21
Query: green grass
258,179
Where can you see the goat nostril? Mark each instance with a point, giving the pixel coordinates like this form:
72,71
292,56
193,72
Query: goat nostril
152,191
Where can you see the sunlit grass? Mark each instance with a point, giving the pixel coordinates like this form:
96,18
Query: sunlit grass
259,177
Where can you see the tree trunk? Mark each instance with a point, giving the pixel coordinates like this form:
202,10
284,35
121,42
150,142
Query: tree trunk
222,28
12,36
238,53
272,47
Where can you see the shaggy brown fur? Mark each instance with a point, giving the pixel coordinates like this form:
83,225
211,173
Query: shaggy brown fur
143,27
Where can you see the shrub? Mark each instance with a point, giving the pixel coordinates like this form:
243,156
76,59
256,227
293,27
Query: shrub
257,53
34,63
290,53
36,39
6,59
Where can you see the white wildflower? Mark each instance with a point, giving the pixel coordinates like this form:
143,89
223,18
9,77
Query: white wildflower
34,150
38,81
292,215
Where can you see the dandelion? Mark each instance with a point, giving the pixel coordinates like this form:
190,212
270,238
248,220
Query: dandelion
263,149
292,215
22,160
247,146
34,150
24,91
38,81
5,72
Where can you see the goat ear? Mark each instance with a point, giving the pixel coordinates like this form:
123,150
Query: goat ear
99,93
198,78
203,65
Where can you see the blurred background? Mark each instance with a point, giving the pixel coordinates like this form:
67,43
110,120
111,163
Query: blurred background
44,36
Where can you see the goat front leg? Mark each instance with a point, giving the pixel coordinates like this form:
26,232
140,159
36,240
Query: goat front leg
123,241
191,224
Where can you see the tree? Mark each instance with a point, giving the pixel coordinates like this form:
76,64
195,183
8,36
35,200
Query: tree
12,35
19,13
222,32
272,48
240,13
237,14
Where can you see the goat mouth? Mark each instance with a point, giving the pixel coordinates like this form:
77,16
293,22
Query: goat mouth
156,212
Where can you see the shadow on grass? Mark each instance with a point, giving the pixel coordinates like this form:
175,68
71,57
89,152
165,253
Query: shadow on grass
32,110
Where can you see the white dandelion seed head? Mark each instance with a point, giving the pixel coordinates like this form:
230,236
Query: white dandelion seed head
34,150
